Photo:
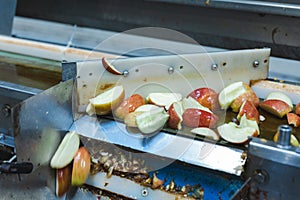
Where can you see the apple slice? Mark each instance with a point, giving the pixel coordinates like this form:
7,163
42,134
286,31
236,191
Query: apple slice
152,121
297,109
81,166
230,93
129,105
249,95
244,122
194,118
190,102
63,180
294,141
130,119
109,67
207,97
175,112
206,132
107,101
293,119
280,96
276,107
65,151
249,110
163,99
146,108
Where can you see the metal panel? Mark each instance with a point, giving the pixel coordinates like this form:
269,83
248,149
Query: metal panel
7,13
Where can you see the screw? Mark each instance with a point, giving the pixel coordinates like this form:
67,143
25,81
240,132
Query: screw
144,192
6,110
125,73
214,67
170,70
255,63
260,176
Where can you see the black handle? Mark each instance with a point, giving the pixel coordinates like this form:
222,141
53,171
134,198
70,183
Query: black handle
16,168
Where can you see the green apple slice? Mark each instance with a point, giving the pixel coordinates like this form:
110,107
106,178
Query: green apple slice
65,151
230,93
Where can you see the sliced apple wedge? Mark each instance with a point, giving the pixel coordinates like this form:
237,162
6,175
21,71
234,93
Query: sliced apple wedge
244,122
297,109
249,110
146,108
293,119
65,151
109,67
63,180
280,96
276,107
163,99
190,102
230,93
152,121
206,132
207,97
81,166
175,112
194,118
129,105
107,101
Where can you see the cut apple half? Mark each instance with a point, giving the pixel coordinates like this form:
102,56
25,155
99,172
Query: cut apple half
194,118
276,107
190,102
280,96
207,97
152,121
163,99
175,112
65,151
230,93
206,132
105,102
109,67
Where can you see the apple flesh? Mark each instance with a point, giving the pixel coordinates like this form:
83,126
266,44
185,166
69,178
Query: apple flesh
81,166
152,121
206,132
276,107
293,119
65,151
249,110
107,101
129,105
175,112
63,180
194,118
163,99
248,95
207,97
190,102
297,109
280,96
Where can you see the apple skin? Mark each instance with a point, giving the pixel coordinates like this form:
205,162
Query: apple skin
199,118
63,180
250,110
293,119
297,109
129,105
81,166
207,97
248,95
175,114
276,107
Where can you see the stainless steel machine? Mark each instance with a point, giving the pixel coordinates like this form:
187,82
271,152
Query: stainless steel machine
50,70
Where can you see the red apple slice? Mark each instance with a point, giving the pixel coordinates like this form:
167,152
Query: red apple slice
152,121
81,166
163,99
190,102
130,119
107,101
230,93
280,96
175,112
276,107
232,133
293,119
207,97
129,105
249,110
63,180
244,122
297,109
109,67
199,118
65,151
206,132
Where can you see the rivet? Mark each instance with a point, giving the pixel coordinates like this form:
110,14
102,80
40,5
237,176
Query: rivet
255,63
170,70
214,67
125,73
